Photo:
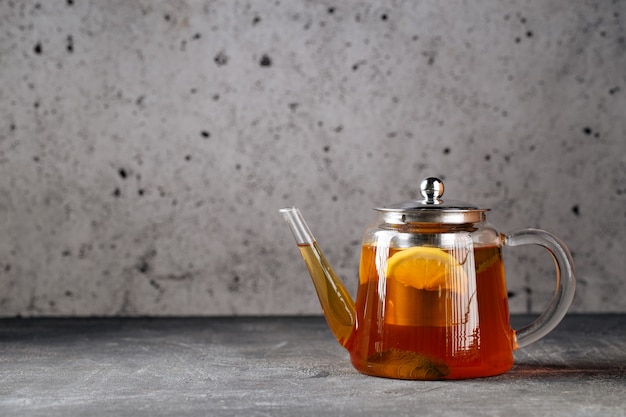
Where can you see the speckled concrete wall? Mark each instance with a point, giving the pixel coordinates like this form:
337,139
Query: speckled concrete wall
146,147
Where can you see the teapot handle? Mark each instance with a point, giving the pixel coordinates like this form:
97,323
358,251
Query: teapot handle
565,283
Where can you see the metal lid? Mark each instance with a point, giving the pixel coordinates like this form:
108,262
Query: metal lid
432,208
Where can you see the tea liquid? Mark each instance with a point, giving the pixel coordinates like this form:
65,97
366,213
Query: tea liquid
458,331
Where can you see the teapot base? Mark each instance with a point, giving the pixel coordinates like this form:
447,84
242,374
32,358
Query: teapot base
399,364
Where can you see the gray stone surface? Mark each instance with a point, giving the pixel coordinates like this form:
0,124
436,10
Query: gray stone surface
145,147
286,367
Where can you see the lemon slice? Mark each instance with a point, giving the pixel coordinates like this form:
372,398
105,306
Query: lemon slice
426,268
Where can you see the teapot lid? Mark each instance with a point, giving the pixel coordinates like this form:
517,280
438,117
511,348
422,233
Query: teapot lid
432,208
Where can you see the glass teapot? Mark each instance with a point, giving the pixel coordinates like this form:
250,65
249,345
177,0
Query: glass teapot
432,299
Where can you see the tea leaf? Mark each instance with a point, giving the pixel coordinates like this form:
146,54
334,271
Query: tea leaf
404,364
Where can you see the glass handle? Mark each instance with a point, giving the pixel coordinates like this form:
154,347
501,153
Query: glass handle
565,283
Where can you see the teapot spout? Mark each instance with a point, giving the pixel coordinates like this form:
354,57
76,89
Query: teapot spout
337,305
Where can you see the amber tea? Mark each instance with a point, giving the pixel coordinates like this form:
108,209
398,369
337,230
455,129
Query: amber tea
432,314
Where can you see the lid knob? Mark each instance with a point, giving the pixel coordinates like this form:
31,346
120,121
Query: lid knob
432,189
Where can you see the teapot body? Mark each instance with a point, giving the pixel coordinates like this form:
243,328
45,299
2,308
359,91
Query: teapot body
432,302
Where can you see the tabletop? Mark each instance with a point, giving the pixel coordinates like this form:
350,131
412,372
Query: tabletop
286,366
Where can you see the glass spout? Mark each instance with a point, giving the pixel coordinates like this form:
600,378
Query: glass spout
337,305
